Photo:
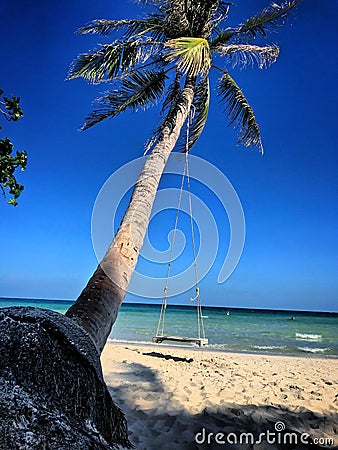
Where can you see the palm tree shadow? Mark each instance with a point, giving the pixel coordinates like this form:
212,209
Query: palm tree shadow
157,420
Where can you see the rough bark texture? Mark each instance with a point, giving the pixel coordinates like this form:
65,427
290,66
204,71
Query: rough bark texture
52,393
97,307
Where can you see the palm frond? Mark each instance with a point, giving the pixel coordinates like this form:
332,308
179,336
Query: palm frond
154,25
196,121
110,59
240,112
172,98
200,112
104,26
192,55
149,2
222,38
269,19
244,54
173,93
139,90
222,12
224,7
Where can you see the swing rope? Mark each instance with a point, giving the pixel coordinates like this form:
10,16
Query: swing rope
185,175
200,324
164,302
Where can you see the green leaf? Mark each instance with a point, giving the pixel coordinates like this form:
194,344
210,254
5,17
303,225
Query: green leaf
191,55
9,162
13,202
14,111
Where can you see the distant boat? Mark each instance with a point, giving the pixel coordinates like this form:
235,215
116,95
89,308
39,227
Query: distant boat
228,313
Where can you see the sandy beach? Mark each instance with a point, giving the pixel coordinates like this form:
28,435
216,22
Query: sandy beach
190,398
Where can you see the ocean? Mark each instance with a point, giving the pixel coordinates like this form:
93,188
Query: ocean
227,329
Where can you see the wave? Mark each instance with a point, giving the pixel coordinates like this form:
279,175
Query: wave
313,350
308,337
205,317
268,347
129,341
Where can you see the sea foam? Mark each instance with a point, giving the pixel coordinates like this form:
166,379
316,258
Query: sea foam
269,347
313,350
308,337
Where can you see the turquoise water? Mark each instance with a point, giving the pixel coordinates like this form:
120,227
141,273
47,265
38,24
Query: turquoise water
244,330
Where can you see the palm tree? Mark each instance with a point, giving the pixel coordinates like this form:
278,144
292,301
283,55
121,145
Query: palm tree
166,56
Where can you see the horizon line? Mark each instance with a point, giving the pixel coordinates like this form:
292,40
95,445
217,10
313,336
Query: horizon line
180,305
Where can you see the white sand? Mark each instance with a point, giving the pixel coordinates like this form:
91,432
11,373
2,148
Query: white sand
169,394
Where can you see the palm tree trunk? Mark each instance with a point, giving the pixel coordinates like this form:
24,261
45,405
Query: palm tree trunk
97,307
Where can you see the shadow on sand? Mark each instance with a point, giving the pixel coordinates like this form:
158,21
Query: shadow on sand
168,425
173,358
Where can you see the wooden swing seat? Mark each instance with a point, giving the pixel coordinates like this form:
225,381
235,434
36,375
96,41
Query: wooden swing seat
201,342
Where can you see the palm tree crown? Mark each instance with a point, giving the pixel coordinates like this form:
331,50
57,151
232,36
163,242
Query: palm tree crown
179,39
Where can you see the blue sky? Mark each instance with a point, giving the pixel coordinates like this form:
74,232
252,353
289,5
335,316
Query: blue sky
288,195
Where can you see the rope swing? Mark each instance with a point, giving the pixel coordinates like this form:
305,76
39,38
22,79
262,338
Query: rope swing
160,333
